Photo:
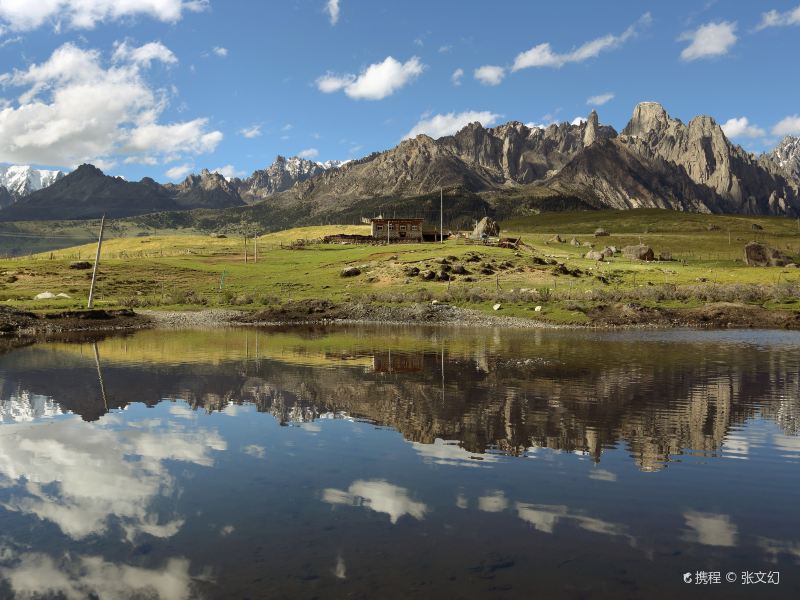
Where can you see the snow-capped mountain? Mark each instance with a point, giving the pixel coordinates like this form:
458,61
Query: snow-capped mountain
333,164
281,175
786,156
21,180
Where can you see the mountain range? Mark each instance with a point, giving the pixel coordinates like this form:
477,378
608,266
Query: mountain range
656,161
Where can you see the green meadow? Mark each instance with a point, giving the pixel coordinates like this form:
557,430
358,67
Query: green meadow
191,270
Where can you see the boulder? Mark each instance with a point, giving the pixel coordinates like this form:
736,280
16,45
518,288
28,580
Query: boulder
757,254
427,275
638,252
556,239
574,242
44,296
80,265
608,251
600,232
411,271
486,227
497,306
665,255
756,227
351,272
594,255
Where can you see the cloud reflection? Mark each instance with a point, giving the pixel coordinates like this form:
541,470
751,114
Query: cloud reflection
710,529
78,475
377,495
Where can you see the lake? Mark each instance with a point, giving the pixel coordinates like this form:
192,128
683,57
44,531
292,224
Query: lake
402,462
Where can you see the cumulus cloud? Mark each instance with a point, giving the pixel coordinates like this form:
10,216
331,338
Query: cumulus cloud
332,8
709,40
251,132
787,126
308,153
578,121
143,55
376,82
179,171
600,99
543,55
490,74
440,125
74,108
27,15
455,78
773,18
220,51
742,128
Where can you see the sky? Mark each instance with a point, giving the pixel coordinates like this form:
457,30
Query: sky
162,88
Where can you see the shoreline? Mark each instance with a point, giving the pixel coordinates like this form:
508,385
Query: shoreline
29,325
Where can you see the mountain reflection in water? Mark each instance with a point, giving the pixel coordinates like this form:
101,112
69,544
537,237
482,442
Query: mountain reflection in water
141,465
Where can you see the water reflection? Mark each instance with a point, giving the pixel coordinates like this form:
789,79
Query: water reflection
327,462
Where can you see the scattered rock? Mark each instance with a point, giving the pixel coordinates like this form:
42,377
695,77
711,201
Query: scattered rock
443,276
44,296
537,260
712,227
756,227
594,255
537,309
574,242
665,255
600,232
556,239
80,265
608,252
411,271
460,270
427,275
757,254
638,252
497,306
351,272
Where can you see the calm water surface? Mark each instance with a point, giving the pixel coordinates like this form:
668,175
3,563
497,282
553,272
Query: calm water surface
400,463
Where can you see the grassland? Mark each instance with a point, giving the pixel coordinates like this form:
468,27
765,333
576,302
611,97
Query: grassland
192,271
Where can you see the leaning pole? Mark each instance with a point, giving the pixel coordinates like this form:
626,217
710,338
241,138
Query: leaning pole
96,262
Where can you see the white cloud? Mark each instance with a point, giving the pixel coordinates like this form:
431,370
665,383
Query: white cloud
440,125
220,51
376,82
456,76
741,128
787,126
229,172
332,8
709,40
773,18
188,136
179,171
578,121
308,153
600,99
542,55
72,108
251,132
380,496
143,55
494,502
445,49
490,74
26,15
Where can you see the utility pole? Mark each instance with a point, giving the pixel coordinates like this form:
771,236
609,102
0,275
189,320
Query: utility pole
245,248
255,248
96,262
441,215
387,230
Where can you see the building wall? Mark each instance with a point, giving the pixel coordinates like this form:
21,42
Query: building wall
399,229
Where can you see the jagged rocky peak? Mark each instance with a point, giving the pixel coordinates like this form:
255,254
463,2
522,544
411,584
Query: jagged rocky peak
786,156
647,117
592,126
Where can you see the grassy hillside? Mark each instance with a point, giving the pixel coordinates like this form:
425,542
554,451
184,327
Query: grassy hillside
192,271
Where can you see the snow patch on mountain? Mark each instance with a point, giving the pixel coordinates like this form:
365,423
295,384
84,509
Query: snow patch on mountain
21,180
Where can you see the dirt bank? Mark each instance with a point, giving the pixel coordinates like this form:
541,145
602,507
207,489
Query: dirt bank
710,316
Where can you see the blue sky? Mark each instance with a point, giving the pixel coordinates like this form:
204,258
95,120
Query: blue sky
164,87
